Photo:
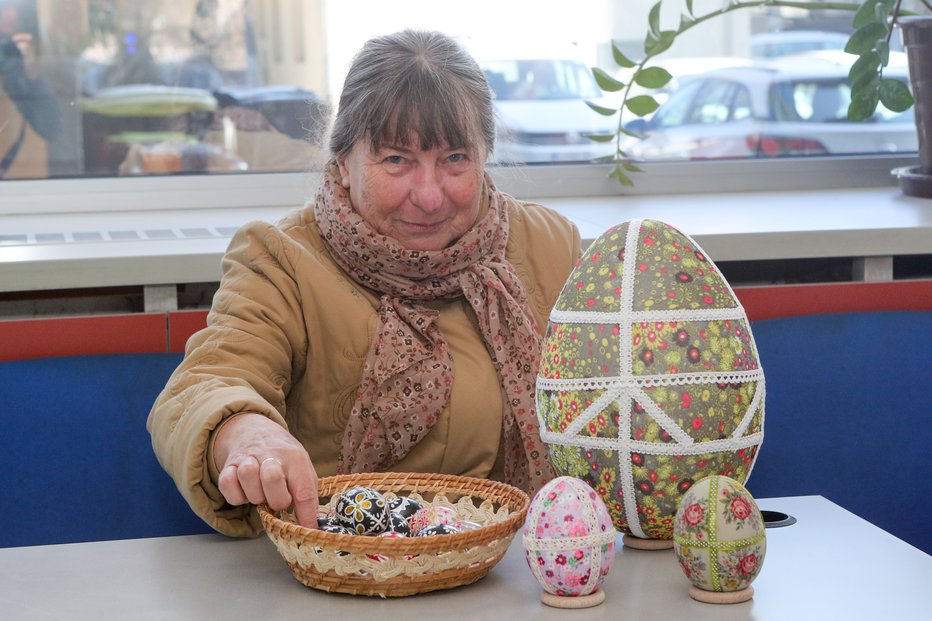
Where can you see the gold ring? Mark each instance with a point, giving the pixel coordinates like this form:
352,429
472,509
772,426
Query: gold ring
275,459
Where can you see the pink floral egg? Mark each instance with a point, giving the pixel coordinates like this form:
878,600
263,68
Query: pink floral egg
431,516
649,377
569,539
719,535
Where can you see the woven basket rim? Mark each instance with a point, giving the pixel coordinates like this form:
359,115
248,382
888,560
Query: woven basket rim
513,499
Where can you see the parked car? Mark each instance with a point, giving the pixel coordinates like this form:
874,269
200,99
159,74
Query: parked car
795,105
788,42
540,103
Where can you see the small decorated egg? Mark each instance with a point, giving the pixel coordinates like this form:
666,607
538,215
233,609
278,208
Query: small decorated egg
398,524
437,529
405,506
719,537
429,516
649,376
569,539
362,510
466,525
328,521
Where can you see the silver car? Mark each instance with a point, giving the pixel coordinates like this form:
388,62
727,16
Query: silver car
542,114
795,105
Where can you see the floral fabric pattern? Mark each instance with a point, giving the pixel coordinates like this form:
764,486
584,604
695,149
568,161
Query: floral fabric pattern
649,377
408,374
569,538
719,538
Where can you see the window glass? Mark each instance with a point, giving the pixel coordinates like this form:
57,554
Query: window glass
112,88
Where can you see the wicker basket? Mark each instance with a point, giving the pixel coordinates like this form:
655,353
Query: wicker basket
398,567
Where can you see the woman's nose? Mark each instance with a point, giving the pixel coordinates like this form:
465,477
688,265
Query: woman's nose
427,193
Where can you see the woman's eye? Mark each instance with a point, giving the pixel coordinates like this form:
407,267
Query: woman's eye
457,157
395,159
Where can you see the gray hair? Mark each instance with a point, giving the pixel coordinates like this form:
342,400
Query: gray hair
414,84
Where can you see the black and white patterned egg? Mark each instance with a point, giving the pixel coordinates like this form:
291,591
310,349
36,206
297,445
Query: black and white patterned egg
437,529
362,510
404,505
398,524
327,521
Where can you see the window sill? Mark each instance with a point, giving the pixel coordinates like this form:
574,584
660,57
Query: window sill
185,246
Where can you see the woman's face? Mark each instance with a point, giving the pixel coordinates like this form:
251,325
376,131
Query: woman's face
424,199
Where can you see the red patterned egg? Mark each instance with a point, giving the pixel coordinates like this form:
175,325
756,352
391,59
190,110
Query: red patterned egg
649,377
569,539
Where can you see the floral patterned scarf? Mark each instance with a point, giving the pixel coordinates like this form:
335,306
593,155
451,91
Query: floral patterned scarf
408,373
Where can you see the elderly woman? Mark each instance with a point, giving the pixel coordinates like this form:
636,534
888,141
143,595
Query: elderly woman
394,323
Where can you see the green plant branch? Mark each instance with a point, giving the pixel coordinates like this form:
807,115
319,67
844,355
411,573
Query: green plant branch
868,85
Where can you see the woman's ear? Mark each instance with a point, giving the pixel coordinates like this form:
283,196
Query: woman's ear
344,171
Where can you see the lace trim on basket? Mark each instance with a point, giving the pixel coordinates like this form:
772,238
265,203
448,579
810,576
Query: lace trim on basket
381,568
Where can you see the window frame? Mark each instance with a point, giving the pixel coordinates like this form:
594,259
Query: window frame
529,182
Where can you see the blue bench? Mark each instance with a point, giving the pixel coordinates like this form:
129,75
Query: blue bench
77,462
848,417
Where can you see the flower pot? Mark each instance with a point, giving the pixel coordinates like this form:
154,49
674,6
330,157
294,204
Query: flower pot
917,39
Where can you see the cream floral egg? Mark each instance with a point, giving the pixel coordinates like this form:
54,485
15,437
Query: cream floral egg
719,536
649,377
569,539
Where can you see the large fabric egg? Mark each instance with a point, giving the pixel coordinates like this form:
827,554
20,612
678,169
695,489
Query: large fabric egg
719,536
569,539
649,377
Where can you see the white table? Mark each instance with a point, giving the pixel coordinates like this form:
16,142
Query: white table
830,565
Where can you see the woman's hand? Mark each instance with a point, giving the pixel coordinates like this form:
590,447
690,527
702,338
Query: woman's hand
260,462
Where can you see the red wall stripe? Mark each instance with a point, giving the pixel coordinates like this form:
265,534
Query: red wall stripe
771,302
24,339
181,325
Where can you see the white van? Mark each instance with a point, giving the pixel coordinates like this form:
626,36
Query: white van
540,101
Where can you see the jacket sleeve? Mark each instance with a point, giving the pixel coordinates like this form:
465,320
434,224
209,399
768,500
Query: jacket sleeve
254,344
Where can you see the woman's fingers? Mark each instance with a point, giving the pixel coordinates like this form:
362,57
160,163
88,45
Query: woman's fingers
263,463
303,488
274,483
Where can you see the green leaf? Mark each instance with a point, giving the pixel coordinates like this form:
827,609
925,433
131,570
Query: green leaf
628,132
865,66
601,137
619,173
653,20
602,109
631,167
620,59
895,95
883,50
864,83
865,14
864,38
652,77
863,106
689,7
641,105
606,82
656,45
603,159
685,22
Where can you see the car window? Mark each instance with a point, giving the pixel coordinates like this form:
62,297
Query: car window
676,110
713,103
820,101
540,79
